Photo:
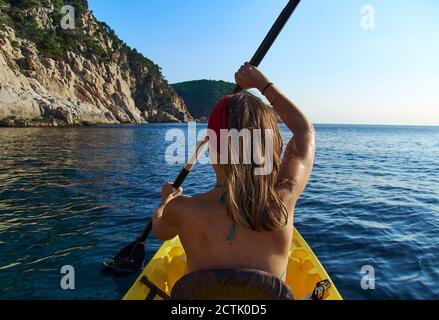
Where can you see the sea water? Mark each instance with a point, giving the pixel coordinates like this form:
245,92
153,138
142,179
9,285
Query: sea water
75,196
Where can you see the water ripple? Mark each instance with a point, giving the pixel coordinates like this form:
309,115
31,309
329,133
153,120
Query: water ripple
75,196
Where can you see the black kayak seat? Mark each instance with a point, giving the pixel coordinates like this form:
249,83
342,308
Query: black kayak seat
232,284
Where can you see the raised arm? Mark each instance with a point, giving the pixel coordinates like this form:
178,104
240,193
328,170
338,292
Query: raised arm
300,153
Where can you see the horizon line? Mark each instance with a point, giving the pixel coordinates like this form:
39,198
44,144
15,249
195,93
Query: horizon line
378,124
339,124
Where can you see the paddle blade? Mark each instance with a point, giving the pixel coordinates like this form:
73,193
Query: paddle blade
129,260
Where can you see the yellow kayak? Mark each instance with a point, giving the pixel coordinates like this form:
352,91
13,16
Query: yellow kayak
169,265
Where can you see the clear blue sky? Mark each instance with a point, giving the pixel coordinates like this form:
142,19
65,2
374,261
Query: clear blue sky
324,60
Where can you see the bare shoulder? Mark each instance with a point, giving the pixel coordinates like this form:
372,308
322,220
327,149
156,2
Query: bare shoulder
184,206
178,205
285,187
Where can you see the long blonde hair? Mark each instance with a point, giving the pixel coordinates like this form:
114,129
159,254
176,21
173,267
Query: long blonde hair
252,200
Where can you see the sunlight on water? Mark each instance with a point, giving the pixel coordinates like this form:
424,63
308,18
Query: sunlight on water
76,196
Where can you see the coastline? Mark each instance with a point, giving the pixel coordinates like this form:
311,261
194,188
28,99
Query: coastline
54,123
13,122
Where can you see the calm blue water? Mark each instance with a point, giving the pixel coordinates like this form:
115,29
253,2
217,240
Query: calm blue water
75,196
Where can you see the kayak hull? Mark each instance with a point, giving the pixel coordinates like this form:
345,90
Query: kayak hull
169,264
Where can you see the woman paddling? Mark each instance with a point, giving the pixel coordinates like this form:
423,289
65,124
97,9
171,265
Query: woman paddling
246,220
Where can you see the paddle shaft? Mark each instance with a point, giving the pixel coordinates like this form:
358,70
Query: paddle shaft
179,181
255,61
272,36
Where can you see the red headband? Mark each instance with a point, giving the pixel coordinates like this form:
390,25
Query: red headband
218,122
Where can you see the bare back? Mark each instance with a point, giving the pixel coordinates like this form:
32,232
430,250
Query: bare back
211,242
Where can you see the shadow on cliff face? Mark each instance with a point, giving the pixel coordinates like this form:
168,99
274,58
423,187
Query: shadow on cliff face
87,80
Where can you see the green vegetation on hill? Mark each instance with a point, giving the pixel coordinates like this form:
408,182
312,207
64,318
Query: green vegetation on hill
51,42
202,95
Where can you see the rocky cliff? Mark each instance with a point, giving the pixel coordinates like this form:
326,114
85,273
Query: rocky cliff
52,76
